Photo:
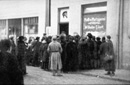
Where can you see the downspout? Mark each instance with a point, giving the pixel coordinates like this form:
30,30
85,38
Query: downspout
48,14
120,34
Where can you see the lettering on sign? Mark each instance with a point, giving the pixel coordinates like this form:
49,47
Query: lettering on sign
94,22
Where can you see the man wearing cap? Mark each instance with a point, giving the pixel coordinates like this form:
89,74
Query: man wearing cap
55,50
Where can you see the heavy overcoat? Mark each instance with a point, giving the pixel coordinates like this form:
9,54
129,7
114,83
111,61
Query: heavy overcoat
107,47
90,54
44,53
63,55
82,54
10,73
110,65
21,55
71,56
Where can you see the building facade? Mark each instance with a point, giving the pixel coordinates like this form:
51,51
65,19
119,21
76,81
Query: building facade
100,17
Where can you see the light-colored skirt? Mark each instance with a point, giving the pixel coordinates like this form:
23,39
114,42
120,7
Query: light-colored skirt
56,63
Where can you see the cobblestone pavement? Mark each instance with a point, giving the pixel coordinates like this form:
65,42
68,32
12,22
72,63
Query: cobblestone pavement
38,76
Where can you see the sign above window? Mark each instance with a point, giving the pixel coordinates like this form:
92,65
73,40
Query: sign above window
95,9
64,15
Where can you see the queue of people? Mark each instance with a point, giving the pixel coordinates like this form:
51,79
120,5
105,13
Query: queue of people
77,53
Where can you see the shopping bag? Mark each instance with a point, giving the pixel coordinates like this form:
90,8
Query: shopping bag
108,57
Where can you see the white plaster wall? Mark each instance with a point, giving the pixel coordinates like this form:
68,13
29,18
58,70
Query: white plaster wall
112,23
10,9
126,39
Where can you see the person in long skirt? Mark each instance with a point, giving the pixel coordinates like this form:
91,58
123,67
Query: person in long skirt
55,49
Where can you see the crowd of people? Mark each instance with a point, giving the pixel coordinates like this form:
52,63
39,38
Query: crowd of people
78,53
64,53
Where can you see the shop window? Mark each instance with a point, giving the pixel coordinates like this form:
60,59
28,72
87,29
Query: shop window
94,19
31,25
2,29
14,26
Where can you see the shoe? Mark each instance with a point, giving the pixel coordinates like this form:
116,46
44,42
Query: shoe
108,73
112,74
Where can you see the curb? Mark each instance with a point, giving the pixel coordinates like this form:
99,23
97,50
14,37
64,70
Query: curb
104,77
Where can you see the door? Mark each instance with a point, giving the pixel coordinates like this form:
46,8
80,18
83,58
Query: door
64,27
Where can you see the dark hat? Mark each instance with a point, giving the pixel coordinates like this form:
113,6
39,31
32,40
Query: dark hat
98,38
21,38
89,35
108,37
37,38
103,38
44,33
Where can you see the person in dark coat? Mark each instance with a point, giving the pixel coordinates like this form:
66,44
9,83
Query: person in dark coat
44,54
82,53
72,55
94,60
90,50
29,55
63,54
29,52
110,64
21,48
36,56
98,54
103,49
10,73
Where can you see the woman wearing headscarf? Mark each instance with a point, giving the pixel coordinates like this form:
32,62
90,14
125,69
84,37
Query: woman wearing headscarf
10,73
55,50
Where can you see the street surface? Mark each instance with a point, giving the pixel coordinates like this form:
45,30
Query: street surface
38,76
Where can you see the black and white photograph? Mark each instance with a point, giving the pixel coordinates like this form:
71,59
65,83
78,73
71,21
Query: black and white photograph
81,42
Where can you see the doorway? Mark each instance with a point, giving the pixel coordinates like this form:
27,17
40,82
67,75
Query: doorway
64,27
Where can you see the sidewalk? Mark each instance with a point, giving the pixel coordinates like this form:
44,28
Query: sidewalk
120,74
